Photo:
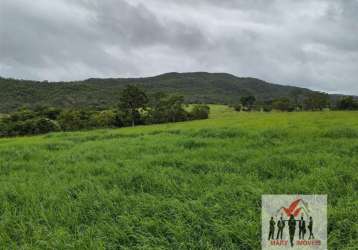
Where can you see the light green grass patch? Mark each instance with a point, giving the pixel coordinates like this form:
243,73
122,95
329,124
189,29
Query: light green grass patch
190,185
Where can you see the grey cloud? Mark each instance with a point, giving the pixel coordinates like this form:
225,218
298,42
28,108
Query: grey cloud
306,43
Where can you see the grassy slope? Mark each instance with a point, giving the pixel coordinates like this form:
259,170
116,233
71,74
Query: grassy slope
186,185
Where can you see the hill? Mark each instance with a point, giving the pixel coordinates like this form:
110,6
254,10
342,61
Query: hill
193,185
198,87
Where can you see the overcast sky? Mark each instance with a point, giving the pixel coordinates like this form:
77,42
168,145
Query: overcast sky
308,43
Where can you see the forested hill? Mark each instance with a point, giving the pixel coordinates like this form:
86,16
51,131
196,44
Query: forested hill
195,87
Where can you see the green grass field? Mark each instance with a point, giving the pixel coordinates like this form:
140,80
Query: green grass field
192,185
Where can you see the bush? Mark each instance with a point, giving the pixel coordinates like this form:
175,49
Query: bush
29,127
103,119
3,129
45,125
21,115
267,108
161,108
199,112
74,120
48,112
282,104
237,107
347,103
248,102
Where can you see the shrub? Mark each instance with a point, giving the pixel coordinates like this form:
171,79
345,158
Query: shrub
3,129
199,112
132,110
103,119
237,107
74,120
347,103
45,125
282,104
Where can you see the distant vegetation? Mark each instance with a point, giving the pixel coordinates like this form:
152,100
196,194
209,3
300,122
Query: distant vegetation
314,101
138,107
199,87
134,108
347,103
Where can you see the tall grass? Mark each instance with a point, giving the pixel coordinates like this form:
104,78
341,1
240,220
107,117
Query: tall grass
192,185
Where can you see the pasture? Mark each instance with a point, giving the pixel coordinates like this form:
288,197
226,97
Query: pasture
189,185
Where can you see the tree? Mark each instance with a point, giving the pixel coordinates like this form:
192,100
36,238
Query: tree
30,127
176,110
316,101
248,102
45,125
48,112
296,95
200,112
74,120
267,106
347,103
132,100
282,104
237,107
22,114
3,129
166,108
158,108
103,119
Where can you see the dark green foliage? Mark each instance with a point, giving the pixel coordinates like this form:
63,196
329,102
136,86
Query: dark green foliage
74,119
296,97
164,108
248,102
157,108
347,103
195,87
21,115
132,100
266,106
45,125
316,101
282,104
29,127
176,111
200,112
105,119
237,107
132,110
27,122
48,112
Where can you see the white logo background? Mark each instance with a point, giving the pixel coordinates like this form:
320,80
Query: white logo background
311,205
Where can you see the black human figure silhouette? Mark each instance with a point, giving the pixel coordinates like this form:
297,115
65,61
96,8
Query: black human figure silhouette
272,229
280,225
310,227
302,229
292,228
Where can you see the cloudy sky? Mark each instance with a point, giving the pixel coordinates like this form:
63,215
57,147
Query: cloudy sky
308,43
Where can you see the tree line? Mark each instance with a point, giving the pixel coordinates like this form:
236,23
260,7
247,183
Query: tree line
135,107
313,102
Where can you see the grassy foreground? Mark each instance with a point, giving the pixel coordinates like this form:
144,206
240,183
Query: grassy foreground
192,185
